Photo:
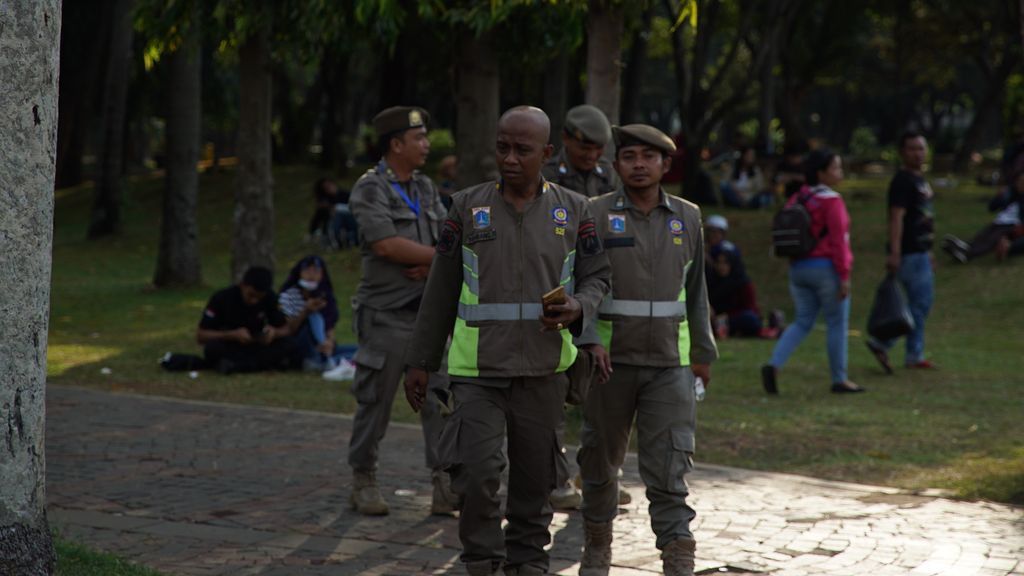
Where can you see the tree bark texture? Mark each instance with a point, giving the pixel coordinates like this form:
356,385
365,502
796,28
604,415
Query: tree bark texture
476,101
253,239
106,211
604,57
177,262
29,42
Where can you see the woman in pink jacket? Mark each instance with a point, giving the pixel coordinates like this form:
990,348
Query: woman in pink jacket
820,282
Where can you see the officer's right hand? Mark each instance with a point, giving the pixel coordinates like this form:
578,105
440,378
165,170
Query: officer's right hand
416,387
241,335
603,359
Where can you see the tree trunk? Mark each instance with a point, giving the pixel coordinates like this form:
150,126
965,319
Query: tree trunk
28,137
766,101
106,211
177,261
632,83
253,240
86,39
556,86
476,101
334,75
994,89
604,58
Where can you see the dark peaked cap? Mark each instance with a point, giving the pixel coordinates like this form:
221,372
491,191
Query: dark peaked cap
587,123
399,118
634,134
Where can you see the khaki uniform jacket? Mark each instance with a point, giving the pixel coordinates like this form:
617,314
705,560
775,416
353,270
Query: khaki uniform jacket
601,180
657,314
492,267
381,213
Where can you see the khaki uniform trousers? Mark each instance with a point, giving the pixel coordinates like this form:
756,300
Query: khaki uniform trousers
380,365
662,401
527,411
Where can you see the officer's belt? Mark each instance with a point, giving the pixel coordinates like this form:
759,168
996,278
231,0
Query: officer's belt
506,312
643,308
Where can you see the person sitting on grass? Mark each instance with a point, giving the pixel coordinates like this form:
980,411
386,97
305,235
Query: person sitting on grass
307,299
242,329
731,292
997,236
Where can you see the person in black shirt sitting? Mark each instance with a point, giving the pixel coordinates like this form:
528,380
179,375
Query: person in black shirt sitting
242,329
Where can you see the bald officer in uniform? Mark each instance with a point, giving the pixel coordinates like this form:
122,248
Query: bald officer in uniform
505,245
652,337
399,214
580,165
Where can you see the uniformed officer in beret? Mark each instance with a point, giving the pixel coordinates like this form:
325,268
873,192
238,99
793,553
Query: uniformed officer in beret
652,337
580,165
399,214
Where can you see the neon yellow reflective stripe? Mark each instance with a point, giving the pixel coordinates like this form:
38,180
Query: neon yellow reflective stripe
604,332
684,326
568,352
463,354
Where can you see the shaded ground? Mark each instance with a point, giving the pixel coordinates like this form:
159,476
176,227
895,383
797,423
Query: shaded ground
198,488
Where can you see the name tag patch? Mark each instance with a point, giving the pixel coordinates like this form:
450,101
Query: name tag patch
481,236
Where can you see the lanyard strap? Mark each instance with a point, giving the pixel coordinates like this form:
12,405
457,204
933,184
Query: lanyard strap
414,206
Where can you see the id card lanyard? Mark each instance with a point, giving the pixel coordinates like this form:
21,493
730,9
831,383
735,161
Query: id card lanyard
414,206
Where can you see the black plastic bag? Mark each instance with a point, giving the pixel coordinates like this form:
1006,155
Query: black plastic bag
890,316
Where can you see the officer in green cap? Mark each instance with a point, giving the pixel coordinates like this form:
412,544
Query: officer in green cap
652,338
399,214
580,165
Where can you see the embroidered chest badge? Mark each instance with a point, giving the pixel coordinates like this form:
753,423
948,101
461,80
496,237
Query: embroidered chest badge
617,223
560,216
481,217
675,226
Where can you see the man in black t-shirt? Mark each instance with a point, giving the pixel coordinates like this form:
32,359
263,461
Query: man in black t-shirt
911,234
242,329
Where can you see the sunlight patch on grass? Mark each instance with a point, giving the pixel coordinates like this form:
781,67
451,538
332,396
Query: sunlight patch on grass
64,357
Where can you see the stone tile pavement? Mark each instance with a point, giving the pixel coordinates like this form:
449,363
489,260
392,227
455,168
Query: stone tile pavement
198,488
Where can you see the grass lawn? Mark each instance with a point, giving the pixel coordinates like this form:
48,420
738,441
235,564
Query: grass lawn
959,428
77,560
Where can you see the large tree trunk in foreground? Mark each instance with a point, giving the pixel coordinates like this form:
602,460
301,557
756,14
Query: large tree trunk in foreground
106,210
28,136
177,262
253,240
604,57
477,110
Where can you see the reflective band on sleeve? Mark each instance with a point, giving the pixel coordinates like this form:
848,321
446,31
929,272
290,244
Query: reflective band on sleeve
507,312
643,308
568,273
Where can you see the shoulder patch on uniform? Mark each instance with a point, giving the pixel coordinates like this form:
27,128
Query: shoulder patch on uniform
451,235
589,241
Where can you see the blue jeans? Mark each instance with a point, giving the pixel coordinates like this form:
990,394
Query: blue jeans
311,334
814,285
918,280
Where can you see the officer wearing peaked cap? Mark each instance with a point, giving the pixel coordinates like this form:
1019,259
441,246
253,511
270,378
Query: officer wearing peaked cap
580,165
652,337
399,214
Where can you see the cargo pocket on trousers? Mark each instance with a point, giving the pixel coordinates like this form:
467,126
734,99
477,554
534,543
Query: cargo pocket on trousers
591,458
368,364
448,443
679,460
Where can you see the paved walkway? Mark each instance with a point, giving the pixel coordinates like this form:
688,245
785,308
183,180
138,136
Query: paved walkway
197,488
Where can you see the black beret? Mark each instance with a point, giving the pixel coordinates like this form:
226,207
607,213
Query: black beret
399,118
642,134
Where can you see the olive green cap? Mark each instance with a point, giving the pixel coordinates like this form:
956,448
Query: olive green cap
642,134
399,118
587,123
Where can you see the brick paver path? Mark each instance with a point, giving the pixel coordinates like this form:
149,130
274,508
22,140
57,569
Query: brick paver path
198,488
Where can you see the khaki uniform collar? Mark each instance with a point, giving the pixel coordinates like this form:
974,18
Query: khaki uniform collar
623,202
384,170
565,168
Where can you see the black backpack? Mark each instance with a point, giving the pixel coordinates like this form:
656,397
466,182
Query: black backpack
791,230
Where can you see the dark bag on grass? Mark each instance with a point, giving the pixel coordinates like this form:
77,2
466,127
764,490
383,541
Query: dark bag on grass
174,362
890,316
